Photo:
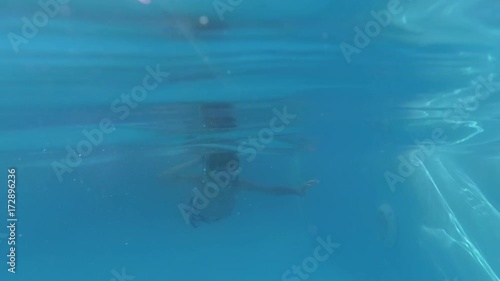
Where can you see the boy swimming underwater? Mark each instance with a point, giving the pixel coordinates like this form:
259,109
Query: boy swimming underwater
220,185
217,188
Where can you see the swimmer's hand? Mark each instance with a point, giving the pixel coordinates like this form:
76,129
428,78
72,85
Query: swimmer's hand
306,186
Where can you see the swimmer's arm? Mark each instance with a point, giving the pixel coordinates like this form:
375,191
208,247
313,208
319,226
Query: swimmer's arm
173,172
278,190
190,179
195,179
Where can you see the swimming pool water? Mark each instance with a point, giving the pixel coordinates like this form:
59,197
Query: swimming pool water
392,105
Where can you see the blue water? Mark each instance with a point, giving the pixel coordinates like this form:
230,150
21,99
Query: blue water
400,127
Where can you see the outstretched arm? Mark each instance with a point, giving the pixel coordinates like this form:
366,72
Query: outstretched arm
175,172
279,190
178,168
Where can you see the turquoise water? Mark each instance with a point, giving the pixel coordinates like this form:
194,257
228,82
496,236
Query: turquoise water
392,106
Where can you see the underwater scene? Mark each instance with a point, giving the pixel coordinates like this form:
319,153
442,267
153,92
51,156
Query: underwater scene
244,140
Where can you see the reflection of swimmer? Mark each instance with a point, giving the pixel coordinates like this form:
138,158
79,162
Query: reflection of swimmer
215,195
220,183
